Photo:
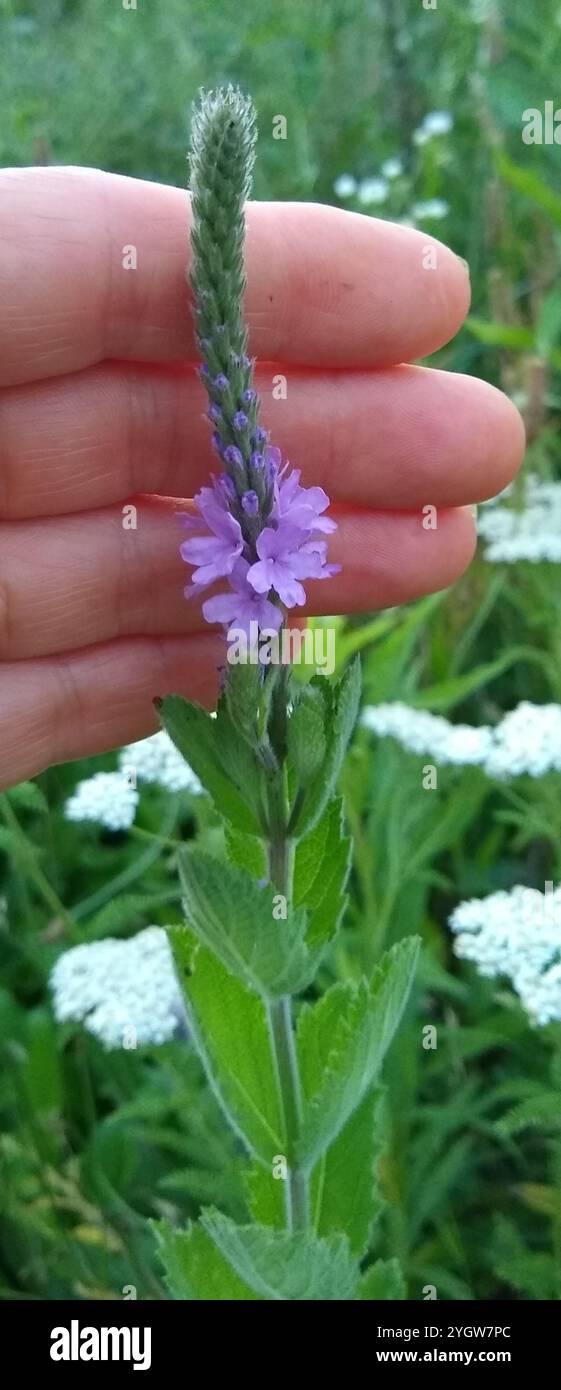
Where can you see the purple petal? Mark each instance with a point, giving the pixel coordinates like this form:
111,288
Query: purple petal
287,587
268,614
326,524
221,608
260,576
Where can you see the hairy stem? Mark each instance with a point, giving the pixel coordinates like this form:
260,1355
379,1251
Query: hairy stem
281,858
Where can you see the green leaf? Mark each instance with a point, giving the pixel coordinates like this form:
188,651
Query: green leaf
531,185
246,851
343,1190
28,796
548,330
194,1268
390,671
504,335
341,702
41,1069
384,1280
266,1196
321,869
344,1196
306,737
239,920
342,1041
229,1028
237,757
219,757
448,693
541,1111
242,696
279,1265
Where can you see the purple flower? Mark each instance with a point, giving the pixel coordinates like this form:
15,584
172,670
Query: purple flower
249,396
242,606
260,436
240,420
214,555
302,506
214,412
221,382
258,462
284,561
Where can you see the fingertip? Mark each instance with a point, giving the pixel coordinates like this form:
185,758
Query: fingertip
506,443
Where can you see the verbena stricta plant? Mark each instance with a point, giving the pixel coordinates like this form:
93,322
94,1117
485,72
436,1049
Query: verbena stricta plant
295,1069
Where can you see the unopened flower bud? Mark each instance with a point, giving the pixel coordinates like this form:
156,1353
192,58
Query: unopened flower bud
250,503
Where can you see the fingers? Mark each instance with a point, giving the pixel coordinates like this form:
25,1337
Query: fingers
396,437
325,287
87,580
388,558
55,709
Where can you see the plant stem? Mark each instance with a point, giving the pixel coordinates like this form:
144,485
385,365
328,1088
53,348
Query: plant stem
282,1034
281,859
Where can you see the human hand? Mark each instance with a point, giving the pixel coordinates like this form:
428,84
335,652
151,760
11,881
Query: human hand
101,406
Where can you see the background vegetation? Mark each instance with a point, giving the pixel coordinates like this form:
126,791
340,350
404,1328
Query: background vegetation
93,1143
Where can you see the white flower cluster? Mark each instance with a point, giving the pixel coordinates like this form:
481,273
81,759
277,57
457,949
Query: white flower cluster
517,935
124,992
432,209
106,798
533,533
157,759
421,732
434,123
368,191
527,740
111,798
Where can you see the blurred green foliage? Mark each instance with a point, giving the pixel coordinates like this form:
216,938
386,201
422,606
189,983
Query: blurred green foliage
92,1143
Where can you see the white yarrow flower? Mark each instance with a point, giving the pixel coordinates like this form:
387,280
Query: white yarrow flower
345,186
532,533
422,732
106,798
438,123
157,760
111,798
124,992
516,935
526,741
392,168
371,191
433,208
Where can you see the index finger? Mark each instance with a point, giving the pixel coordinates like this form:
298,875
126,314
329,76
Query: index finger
92,266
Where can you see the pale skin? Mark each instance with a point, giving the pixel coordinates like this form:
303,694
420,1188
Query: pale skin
100,406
